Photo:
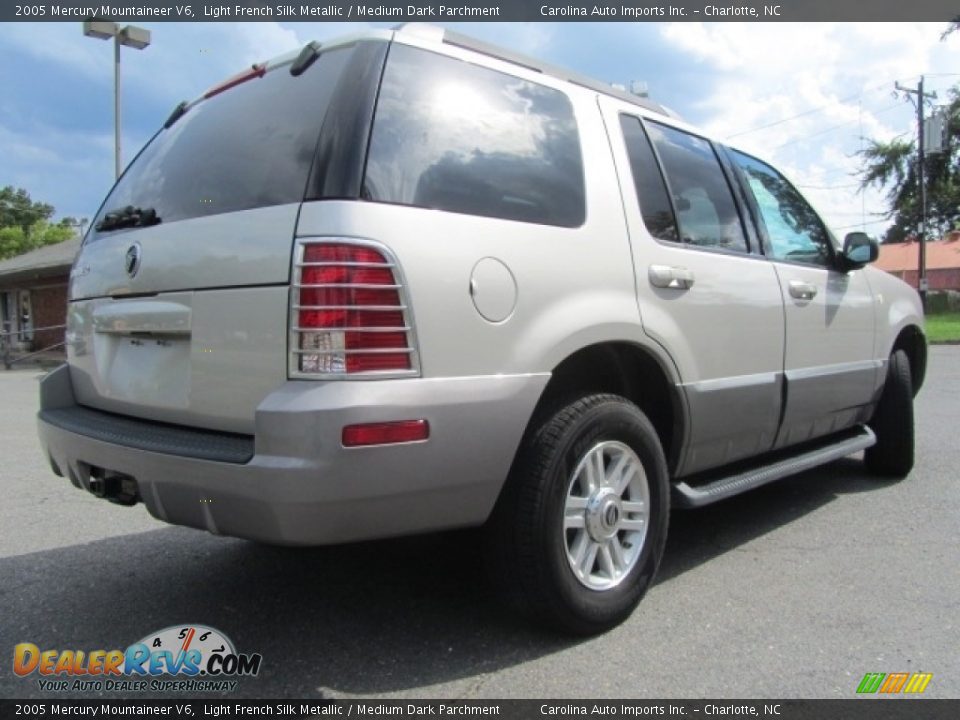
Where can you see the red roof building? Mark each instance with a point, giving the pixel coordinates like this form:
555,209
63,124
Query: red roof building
943,261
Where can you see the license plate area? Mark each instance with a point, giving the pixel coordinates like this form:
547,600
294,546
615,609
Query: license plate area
144,368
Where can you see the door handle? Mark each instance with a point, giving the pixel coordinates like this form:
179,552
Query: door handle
802,290
668,276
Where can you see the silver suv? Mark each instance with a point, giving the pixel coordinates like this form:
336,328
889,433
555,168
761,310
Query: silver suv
405,281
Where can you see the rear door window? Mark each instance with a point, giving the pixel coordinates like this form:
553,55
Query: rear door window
706,212
459,137
250,146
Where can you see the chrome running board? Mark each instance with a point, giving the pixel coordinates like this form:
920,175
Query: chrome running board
687,496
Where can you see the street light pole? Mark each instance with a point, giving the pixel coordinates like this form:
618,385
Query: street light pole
117,163
131,36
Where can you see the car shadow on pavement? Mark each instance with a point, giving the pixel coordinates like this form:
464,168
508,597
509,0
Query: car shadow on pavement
376,617
696,536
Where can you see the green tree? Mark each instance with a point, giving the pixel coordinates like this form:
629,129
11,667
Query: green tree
18,210
25,225
14,241
44,233
892,165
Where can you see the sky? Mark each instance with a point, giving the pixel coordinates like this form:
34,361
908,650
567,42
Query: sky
802,95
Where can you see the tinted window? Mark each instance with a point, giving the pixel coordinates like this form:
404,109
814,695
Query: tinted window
706,213
454,136
250,146
795,231
648,182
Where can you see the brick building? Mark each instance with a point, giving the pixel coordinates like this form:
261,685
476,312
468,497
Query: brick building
943,262
33,296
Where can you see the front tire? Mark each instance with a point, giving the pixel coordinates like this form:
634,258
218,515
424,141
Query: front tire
579,530
892,422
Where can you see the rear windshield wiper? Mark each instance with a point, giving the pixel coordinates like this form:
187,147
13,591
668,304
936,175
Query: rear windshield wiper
128,216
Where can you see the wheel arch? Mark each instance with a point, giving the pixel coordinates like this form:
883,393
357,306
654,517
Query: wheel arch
628,369
912,340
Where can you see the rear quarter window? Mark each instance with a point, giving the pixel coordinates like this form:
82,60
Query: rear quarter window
458,137
652,194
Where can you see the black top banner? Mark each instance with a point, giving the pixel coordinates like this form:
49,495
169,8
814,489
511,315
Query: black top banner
378,709
482,10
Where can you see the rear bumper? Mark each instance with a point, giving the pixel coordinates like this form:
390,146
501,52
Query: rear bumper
301,487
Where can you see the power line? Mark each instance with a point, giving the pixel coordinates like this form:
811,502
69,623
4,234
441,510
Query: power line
833,174
828,187
835,127
860,224
821,108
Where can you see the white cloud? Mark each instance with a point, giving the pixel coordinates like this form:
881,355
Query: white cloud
529,38
233,46
182,60
833,82
73,169
60,43
755,74
264,40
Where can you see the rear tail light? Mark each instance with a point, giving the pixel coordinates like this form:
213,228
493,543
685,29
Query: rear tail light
349,312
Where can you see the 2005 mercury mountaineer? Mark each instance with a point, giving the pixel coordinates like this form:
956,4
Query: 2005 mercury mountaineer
406,281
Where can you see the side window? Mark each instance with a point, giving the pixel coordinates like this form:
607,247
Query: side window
651,189
796,232
462,138
706,213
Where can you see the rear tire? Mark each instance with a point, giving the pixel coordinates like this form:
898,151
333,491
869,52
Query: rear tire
892,422
577,535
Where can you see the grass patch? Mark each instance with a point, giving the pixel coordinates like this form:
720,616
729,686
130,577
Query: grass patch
943,327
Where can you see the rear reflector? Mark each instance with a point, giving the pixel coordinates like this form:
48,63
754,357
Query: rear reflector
350,315
385,433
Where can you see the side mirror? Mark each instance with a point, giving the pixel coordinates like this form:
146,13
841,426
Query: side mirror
859,249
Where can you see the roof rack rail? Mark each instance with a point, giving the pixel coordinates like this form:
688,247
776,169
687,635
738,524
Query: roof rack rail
436,33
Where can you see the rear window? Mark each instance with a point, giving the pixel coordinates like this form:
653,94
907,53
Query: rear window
458,137
250,146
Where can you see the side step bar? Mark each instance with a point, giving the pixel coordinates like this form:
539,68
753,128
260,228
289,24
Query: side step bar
686,496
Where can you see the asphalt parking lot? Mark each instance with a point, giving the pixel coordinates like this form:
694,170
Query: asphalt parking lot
794,590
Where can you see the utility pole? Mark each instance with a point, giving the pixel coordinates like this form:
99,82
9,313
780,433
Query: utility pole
921,179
